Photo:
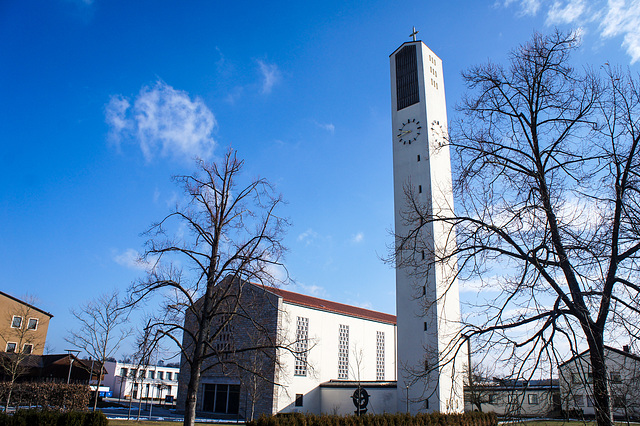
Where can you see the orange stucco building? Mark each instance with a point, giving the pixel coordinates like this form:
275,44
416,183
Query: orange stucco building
23,327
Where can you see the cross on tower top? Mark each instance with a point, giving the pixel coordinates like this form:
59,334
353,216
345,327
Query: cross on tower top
413,34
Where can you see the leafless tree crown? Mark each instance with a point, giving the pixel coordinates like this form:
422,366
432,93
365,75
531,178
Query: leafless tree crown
546,186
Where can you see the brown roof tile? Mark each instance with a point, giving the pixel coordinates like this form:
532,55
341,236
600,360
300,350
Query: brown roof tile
327,305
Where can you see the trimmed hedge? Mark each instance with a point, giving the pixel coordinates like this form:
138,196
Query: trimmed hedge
54,418
426,419
57,396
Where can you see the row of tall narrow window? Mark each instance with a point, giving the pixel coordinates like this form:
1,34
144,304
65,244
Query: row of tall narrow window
302,348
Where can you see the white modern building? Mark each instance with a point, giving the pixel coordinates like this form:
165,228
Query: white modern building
430,362
515,398
576,384
334,349
147,382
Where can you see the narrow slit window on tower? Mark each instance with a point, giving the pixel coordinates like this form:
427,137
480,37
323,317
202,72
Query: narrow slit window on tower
422,254
425,329
418,157
407,88
424,290
419,189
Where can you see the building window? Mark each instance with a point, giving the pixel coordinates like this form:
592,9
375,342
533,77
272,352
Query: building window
575,378
161,375
175,377
589,401
27,349
425,326
302,346
343,352
123,372
426,404
32,324
533,399
493,398
11,347
299,400
169,375
223,343
219,398
152,374
418,157
143,373
616,378
579,400
16,322
380,355
419,189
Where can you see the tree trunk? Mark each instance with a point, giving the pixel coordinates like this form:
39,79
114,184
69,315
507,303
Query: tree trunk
6,408
192,392
95,400
601,394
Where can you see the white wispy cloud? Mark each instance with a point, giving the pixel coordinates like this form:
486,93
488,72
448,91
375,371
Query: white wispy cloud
130,258
357,238
477,285
308,289
115,113
270,76
568,13
527,7
308,236
164,122
329,127
623,18
607,18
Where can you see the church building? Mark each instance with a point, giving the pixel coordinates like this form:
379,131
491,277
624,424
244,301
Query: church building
343,359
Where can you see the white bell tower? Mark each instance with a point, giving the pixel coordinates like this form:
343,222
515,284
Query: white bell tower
427,301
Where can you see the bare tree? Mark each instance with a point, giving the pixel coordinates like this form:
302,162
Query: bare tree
479,386
22,341
103,326
225,236
547,215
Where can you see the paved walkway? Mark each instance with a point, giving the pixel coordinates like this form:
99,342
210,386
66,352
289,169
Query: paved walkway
155,413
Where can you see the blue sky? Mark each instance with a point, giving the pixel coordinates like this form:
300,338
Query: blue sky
300,89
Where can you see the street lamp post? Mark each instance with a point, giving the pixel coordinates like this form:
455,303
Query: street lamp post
407,399
70,352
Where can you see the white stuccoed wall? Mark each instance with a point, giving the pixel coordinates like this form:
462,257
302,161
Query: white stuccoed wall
323,356
433,173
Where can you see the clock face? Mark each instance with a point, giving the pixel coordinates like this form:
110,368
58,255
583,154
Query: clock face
409,132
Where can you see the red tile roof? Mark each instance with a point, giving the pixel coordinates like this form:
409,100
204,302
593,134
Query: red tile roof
327,305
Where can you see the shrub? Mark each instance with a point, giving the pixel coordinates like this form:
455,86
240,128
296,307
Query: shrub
402,419
53,418
58,396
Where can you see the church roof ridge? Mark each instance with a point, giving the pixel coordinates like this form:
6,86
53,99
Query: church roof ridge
330,306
